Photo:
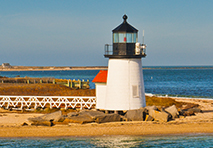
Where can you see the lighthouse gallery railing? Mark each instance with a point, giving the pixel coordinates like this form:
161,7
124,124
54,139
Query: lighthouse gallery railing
47,101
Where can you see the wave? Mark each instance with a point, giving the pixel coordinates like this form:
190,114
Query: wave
179,96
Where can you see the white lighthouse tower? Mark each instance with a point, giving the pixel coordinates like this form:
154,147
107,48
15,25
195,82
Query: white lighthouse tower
124,83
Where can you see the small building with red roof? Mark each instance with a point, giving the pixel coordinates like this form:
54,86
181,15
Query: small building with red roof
100,84
101,77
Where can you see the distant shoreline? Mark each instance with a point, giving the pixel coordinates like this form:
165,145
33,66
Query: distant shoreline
59,68
52,68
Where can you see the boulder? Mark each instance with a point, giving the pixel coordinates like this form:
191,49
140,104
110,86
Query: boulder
42,123
55,116
79,119
108,118
92,114
89,116
160,116
136,114
151,107
195,110
172,110
188,113
71,114
149,118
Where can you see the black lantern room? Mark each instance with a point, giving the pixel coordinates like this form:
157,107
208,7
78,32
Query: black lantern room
125,37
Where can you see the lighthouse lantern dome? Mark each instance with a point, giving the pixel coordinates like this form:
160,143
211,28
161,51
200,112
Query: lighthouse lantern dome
124,41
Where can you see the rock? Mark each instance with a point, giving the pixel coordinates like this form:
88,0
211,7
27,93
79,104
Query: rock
191,111
188,106
42,123
55,116
71,114
108,118
151,107
195,110
136,114
149,118
173,111
89,116
79,119
24,124
92,114
160,116
188,113
47,119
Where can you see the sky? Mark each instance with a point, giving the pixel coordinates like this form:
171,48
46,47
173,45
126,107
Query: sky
74,32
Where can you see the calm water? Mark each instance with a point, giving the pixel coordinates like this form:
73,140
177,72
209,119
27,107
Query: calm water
184,141
196,82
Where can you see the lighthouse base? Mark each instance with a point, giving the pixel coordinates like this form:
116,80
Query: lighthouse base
125,85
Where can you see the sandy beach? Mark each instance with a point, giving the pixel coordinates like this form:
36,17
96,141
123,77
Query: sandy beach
11,125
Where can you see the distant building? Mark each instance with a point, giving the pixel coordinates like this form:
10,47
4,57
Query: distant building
6,65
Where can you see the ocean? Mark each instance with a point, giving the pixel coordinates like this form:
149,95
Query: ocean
171,81
192,82
178,141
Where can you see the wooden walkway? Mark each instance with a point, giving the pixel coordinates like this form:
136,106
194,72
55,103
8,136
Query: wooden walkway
76,84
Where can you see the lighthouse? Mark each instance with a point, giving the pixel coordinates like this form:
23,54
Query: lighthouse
123,87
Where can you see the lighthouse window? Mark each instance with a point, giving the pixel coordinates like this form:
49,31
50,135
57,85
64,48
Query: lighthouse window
135,37
122,37
131,37
115,37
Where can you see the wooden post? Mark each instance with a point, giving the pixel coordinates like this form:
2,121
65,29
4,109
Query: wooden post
79,83
71,83
28,81
41,81
54,81
68,82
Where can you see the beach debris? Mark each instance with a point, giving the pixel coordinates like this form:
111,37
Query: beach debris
137,114
173,111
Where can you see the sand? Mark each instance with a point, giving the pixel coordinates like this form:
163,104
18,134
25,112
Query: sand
10,125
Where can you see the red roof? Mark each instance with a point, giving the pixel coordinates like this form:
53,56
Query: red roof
101,77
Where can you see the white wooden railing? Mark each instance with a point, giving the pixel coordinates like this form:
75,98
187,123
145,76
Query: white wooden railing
47,101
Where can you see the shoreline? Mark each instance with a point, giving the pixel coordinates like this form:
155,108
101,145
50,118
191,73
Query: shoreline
112,129
201,123
65,68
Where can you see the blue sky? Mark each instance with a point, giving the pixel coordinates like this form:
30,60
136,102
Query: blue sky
73,32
